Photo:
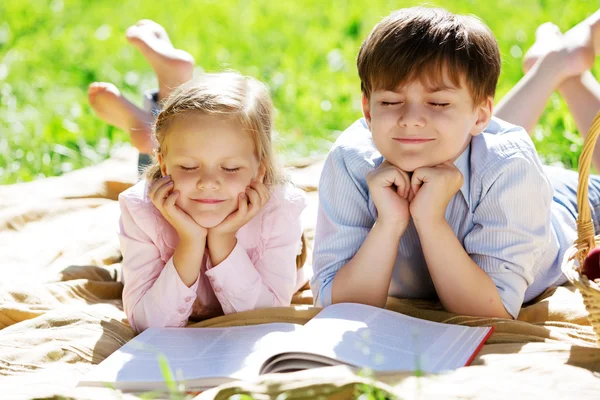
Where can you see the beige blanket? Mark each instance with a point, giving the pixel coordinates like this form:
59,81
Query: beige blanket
61,313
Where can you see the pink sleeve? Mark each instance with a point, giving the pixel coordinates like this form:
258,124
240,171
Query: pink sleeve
241,285
153,295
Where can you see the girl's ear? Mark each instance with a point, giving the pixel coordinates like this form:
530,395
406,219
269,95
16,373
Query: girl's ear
262,171
161,163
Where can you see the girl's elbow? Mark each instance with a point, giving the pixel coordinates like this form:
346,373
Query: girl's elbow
283,298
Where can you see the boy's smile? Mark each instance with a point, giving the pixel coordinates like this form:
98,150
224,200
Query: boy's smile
423,125
416,140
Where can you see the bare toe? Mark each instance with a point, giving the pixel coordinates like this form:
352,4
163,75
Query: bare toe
97,90
547,31
172,66
547,39
146,30
110,106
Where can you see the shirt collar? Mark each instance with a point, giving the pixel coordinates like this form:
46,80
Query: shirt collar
463,163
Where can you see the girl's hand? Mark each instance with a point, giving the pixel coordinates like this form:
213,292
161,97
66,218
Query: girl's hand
163,197
249,204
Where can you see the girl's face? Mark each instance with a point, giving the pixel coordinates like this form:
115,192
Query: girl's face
211,160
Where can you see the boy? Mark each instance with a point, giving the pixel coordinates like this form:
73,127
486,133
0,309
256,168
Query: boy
429,194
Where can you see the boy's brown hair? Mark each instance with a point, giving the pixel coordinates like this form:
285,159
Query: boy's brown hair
421,43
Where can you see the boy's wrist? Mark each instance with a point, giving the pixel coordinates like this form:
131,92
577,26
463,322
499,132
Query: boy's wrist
393,228
430,223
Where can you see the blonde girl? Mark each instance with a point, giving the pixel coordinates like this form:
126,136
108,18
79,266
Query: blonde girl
215,228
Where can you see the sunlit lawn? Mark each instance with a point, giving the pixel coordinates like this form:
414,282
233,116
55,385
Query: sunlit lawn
305,50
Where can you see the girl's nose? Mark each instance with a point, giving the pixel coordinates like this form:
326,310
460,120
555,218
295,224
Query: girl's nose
208,180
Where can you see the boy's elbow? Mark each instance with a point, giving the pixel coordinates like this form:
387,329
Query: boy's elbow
504,314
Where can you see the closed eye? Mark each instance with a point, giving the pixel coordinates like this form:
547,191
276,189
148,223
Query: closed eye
441,105
187,168
230,170
390,103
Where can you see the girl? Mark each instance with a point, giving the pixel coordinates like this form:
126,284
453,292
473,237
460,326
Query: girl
214,228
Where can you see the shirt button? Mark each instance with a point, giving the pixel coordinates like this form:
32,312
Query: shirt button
217,289
181,310
188,299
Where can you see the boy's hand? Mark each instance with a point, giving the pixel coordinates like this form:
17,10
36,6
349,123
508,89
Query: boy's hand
390,187
432,189
249,204
163,197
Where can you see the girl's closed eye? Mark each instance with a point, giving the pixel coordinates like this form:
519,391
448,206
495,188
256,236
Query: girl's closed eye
188,168
390,103
440,105
231,170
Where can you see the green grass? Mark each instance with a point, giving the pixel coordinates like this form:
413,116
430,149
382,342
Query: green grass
50,50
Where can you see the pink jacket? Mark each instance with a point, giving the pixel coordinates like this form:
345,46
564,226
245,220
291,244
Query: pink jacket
260,271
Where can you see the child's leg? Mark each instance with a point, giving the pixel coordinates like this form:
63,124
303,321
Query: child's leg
554,60
582,94
547,38
172,66
565,184
112,107
586,34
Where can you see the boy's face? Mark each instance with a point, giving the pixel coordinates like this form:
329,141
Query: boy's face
421,126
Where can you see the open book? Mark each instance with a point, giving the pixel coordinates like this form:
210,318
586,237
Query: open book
352,334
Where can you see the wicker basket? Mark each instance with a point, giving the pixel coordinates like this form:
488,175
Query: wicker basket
586,240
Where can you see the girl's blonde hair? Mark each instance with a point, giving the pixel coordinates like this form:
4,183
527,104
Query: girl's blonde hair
227,94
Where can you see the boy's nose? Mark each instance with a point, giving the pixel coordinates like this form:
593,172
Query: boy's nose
411,115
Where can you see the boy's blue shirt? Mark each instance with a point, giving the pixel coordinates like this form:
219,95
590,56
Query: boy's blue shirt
504,215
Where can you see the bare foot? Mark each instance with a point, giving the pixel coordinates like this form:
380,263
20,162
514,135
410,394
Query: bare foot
109,105
172,66
587,32
547,39
595,25
579,42
562,56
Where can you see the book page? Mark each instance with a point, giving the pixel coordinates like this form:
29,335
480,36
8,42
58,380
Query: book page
192,353
384,340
